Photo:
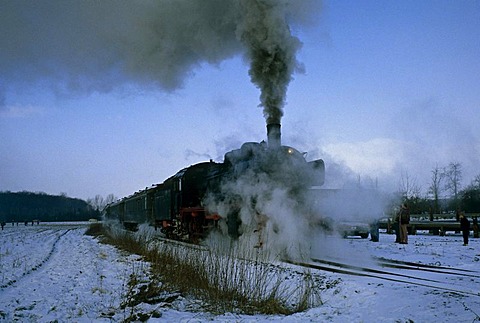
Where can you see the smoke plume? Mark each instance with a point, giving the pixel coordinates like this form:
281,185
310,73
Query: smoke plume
99,46
271,49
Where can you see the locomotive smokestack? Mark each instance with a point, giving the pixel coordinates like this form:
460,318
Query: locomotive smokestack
273,135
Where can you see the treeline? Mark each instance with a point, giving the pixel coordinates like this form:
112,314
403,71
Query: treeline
468,201
28,206
445,192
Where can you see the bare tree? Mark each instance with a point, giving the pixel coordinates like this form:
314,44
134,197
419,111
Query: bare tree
98,203
476,182
109,199
408,187
453,177
435,188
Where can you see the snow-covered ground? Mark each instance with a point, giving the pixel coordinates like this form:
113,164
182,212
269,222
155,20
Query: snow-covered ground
54,272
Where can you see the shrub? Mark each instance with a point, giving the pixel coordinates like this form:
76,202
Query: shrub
226,279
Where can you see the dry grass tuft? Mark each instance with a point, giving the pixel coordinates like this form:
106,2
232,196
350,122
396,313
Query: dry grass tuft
229,281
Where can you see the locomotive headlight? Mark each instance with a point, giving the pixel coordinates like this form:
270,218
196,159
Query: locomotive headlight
290,151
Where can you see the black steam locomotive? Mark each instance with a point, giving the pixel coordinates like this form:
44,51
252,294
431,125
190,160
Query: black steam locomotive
183,205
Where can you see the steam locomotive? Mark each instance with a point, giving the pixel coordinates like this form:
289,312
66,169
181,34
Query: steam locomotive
185,206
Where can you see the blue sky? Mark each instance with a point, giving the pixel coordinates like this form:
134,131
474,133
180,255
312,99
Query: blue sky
389,88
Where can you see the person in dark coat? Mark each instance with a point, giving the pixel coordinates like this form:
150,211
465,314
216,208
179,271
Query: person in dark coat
404,220
374,231
396,227
475,227
465,227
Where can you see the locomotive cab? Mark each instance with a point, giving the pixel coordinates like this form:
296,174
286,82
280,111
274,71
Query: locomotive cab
283,162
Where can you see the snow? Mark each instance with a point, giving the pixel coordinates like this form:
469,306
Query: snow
53,271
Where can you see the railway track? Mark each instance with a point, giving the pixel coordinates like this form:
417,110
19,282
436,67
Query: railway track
436,277
407,265
429,276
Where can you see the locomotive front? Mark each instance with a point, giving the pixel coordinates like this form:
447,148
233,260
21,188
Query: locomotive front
264,182
284,165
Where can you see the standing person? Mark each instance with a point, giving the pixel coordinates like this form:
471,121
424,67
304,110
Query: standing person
374,231
404,220
396,227
465,227
475,227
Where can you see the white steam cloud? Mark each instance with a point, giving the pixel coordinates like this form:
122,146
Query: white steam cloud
271,216
87,46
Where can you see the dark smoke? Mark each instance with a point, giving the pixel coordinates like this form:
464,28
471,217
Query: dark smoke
99,46
271,49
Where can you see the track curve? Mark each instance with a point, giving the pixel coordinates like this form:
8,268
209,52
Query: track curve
439,282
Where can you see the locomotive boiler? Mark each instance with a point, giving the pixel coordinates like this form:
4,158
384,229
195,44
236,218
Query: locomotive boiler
189,204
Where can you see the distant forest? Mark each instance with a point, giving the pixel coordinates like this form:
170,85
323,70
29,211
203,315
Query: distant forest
28,206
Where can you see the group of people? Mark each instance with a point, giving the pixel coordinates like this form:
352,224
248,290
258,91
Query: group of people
402,219
3,223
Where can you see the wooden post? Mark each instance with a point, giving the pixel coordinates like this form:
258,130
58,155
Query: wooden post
389,227
475,227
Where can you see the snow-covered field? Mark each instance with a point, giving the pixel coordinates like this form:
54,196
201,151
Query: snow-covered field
54,272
